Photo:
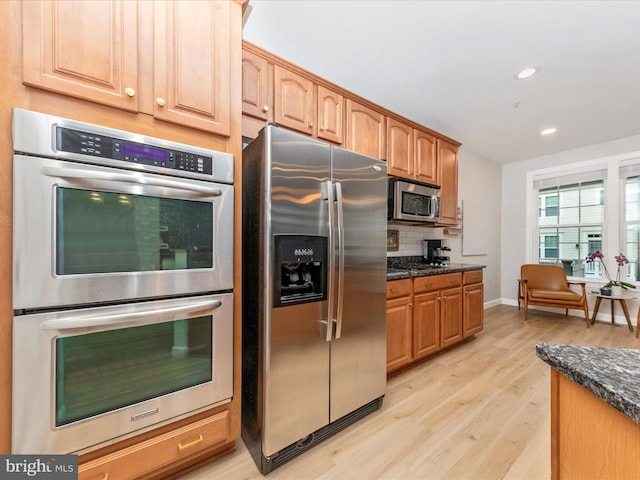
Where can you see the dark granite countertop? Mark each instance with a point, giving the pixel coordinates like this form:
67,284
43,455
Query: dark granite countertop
611,374
407,267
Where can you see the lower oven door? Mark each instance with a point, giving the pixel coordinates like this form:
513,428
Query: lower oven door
88,234
87,377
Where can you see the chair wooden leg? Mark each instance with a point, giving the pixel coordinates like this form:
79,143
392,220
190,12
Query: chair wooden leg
586,315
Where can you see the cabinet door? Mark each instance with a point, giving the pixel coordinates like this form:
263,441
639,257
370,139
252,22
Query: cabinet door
192,64
448,159
473,309
293,100
425,157
330,115
256,91
83,49
399,148
426,324
399,314
451,316
366,131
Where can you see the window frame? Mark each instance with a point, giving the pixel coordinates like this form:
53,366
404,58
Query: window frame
613,228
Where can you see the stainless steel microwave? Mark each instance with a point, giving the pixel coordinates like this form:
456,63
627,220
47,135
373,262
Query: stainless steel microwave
412,201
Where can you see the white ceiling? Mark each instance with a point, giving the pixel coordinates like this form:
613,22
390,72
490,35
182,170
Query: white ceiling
449,65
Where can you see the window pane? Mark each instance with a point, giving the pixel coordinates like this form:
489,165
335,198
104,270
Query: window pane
569,215
569,240
592,214
569,196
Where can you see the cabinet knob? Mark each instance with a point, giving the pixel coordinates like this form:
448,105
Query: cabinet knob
130,92
265,109
311,125
160,101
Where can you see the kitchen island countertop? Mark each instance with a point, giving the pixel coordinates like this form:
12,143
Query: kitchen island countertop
611,374
407,267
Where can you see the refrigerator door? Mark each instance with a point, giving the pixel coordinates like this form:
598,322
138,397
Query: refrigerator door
296,370
358,351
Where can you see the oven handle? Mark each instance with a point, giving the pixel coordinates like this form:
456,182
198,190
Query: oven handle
106,320
128,178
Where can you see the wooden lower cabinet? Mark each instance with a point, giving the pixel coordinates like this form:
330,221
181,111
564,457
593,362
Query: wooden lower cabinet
399,329
590,438
473,308
428,314
145,457
426,324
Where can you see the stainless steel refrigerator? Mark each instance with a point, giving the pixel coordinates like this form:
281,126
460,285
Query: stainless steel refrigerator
314,289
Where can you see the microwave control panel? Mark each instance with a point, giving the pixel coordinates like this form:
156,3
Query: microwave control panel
96,145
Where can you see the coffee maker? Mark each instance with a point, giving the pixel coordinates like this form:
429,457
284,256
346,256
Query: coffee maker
436,252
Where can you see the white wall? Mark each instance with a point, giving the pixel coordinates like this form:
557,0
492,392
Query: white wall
479,182
514,191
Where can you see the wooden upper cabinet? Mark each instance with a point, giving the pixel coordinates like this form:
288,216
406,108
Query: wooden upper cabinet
399,148
256,87
83,49
192,61
448,159
89,50
425,157
330,115
293,100
366,130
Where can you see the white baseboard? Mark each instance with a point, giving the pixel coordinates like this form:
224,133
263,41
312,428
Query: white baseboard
603,317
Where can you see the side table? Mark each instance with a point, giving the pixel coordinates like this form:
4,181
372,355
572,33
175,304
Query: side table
620,298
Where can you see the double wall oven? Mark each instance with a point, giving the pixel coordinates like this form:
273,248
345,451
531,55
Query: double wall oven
122,283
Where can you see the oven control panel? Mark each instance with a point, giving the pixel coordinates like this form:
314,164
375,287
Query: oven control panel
96,145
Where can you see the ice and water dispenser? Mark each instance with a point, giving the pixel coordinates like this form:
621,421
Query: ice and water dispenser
300,269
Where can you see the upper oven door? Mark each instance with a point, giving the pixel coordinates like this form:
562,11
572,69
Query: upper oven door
87,234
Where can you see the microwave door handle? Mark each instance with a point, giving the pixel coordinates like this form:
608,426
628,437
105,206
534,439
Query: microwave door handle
81,174
106,320
340,235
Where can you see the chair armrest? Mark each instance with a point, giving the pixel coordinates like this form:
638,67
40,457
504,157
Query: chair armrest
575,282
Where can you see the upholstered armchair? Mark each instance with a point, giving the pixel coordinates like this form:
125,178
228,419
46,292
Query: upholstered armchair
547,286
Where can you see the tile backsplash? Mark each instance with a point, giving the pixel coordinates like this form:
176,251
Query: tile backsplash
410,239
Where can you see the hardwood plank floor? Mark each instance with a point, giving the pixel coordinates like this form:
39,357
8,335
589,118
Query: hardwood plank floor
479,411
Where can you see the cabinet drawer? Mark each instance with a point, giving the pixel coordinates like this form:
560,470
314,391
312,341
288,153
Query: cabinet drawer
399,288
144,457
436,282
474,276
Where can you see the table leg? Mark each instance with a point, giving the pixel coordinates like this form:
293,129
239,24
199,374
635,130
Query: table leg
595,310
613,304
626,313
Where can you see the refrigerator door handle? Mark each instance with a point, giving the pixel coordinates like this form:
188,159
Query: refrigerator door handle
340,235
329,195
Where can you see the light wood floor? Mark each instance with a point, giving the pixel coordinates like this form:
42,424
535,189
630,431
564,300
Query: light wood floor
480,411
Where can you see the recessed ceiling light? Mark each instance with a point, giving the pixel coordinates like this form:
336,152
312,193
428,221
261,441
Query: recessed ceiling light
526,73
548,131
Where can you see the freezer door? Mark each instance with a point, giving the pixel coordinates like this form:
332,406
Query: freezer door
296,372
358,353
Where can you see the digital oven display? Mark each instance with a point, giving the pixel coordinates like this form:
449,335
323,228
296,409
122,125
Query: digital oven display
143,151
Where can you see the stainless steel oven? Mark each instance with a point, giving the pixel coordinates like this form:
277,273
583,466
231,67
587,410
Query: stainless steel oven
93,375
102,215
122,283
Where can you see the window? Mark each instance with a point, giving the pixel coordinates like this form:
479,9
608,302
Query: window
582,208
570,222
631,220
